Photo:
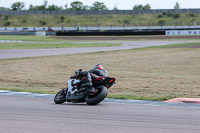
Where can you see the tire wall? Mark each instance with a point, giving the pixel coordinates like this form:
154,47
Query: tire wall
109,33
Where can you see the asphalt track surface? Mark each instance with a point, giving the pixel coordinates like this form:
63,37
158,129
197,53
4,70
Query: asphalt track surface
20,114
40,115
19,53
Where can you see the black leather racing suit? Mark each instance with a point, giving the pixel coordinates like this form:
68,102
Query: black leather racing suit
93,74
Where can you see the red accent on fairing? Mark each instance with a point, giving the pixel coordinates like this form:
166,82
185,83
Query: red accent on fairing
112,80
84,78
99,78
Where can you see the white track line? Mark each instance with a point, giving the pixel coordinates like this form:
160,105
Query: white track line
106,100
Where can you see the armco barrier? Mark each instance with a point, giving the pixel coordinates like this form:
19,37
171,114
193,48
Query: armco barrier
18,33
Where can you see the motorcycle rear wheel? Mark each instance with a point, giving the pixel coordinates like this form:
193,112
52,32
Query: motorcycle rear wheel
60,96
100,96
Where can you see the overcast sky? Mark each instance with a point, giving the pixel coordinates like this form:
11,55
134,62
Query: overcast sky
120,4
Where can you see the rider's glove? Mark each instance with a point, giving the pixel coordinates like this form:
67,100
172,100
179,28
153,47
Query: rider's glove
79,72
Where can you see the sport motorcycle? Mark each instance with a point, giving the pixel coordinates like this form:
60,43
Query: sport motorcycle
76,93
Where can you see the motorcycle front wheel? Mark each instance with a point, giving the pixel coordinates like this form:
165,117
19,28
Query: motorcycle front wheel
97,98
60,96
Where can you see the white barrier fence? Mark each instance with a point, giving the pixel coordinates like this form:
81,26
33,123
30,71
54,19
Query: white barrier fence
23,28
15,33
182,32
97,28
40,33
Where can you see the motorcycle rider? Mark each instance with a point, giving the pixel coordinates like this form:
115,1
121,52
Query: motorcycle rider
90,75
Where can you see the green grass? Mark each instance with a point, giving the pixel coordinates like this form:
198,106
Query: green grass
29,38
84,38
4,46
149,98
100,20
175,45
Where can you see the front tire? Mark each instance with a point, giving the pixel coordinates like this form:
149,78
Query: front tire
100,96
60,96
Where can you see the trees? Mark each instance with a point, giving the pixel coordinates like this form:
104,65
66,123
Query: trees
77,5
45,4
138,7
42,7
17,6
115,8
147,7
141,7
54,7
177,6
98,6
62,18
31,7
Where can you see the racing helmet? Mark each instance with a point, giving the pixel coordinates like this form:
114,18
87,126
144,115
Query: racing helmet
99,66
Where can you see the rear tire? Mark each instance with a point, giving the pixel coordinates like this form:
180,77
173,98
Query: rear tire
60,96
100,96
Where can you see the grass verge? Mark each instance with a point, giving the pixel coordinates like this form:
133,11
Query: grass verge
162,98
29,38
142,74
98,38
5,46
182,45
162,19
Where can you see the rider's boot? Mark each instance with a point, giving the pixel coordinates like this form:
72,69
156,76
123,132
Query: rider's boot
88,84
91,90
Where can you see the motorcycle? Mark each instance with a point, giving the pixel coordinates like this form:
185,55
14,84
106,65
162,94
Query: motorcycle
76,93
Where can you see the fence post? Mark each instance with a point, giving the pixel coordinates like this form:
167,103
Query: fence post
62,27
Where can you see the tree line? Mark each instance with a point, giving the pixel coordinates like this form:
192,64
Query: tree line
76,5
